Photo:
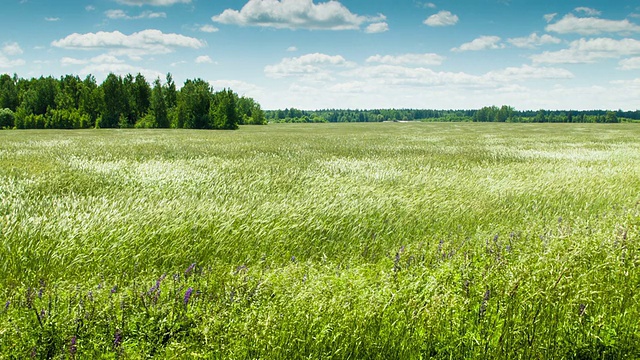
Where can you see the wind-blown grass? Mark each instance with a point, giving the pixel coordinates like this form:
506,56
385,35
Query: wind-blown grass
322,241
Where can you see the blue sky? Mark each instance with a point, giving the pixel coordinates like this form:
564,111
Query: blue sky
314,54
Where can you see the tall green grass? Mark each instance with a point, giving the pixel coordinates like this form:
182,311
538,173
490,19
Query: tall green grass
384,241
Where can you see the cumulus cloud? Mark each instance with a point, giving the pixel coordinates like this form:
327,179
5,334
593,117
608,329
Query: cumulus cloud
587,11
241,87
376,28
534,40
208,28
8,63
549,17
89,8
153,2
12,49
139,43
413,59
295,14
120,14
443,18
481,43
527,72
292,49
100,59
630,64
590,51
204,59
313,66
571,24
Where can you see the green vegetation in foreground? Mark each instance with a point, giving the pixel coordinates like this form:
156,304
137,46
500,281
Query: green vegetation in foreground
386,241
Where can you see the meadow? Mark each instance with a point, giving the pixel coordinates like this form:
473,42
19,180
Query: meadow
322,241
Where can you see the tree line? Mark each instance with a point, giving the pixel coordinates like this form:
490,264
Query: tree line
121,102
485,114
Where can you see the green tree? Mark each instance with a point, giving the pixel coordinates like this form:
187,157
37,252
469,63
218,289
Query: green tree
159,106
141,94
8,92
115,101
225,116
7,118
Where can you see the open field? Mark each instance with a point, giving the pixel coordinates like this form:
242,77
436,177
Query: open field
383,240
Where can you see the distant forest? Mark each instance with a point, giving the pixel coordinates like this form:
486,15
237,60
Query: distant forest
121,102
70,102
486,114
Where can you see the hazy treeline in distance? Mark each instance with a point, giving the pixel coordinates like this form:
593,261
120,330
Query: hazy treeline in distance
485,114
121,102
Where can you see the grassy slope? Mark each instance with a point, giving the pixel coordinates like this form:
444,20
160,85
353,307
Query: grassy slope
357,240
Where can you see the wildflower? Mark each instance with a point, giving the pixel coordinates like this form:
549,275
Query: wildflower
189,269
72,347
90,296
176,277
485,300
187,296
117,339
6,305
114,289
293,259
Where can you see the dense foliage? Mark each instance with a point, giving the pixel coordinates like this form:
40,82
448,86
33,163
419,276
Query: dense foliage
486,114
121,102
349,241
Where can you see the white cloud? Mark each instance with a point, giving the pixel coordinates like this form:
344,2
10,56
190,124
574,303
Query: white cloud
312,66
100,59
208,28
589,51
527,72
120,14
153,2
89,8
139,43
630,64
52,19
409,76
376,28
443,18
481,43
413,59
242,88
292,49
177,63
12,49
549,17
8,63
591,26
204,59
534,40
430,5
587,11
295,14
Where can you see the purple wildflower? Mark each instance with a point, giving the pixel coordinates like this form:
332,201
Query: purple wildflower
72,347
6,305
189,269
117,339
114,289
187,295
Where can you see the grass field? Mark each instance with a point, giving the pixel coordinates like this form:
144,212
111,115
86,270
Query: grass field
332,241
